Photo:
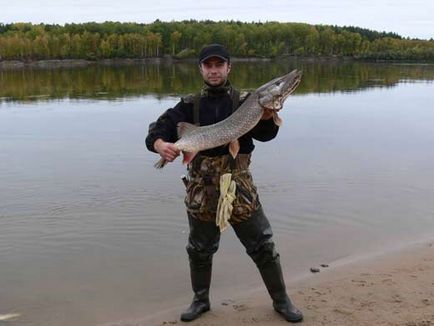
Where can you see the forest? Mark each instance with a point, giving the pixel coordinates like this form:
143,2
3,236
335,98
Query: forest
183,39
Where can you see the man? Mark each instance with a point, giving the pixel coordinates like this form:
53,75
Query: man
216,101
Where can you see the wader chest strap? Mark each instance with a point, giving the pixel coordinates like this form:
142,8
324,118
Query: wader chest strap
235,97
196,107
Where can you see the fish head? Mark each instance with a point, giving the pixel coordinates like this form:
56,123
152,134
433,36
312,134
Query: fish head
272,94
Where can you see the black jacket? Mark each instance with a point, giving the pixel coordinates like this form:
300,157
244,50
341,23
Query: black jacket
214,107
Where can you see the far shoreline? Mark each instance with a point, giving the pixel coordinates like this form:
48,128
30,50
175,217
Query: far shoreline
78,63
73,63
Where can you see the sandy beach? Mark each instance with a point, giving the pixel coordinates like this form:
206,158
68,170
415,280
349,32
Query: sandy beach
392,288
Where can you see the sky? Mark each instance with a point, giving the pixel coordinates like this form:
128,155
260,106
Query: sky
408,18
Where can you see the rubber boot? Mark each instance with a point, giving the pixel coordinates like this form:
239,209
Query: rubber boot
203,242
256,235
272,276
200,280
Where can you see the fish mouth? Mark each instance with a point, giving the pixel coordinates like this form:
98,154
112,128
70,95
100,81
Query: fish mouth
274,93
289,83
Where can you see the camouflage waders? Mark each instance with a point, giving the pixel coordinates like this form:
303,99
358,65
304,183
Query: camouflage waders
248,221
203,189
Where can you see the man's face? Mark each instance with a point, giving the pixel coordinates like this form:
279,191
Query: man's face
215,71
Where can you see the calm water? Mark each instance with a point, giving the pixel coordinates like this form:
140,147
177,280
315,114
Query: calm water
91,233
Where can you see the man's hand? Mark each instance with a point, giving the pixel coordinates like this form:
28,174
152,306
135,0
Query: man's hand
168,151
268,114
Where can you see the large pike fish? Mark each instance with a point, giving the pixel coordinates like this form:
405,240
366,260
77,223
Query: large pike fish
193,139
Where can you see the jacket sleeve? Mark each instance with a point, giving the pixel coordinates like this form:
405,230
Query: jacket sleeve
265,130
165,126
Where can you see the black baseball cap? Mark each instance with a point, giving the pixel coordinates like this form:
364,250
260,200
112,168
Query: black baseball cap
214,50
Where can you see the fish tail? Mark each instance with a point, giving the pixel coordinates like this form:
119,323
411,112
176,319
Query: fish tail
160,164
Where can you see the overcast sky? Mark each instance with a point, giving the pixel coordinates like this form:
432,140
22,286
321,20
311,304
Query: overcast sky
409,18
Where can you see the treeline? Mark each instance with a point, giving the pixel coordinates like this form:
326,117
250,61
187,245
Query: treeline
95,41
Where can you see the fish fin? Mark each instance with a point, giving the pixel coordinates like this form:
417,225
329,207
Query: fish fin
160,164
234,148
184,128
277,120
188,157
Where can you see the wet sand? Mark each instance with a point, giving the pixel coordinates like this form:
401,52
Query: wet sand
394,288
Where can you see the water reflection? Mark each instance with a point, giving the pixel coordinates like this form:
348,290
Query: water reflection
160,80
90,231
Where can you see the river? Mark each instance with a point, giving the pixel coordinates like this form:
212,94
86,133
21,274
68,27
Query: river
91,232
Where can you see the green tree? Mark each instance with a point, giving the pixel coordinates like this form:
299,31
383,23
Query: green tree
174,40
